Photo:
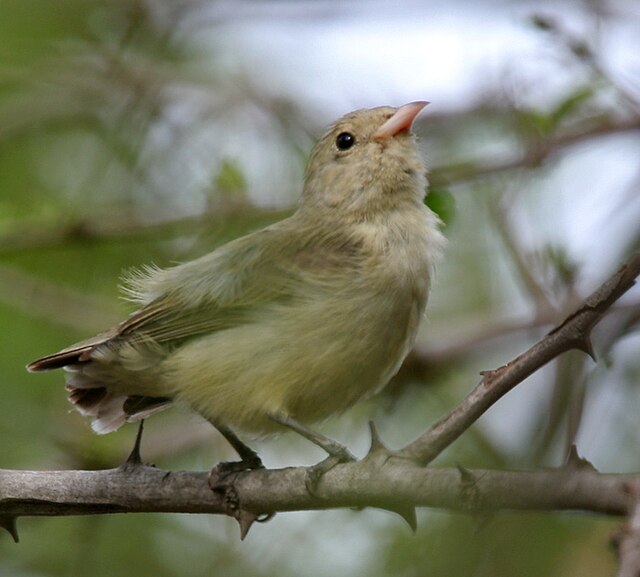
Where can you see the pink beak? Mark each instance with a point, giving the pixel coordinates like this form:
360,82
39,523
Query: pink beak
401,120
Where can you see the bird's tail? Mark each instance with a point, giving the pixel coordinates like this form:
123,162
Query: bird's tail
91,396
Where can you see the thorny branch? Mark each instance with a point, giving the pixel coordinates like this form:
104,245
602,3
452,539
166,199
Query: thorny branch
392,480
378,480
573,333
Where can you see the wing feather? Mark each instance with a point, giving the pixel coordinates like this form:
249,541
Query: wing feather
217,291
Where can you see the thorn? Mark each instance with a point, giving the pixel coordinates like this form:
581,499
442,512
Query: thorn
586,346
376,441
575,461
408,513
221,481
8,522
134,457
489,376
472,498
469,492
466,476
245,520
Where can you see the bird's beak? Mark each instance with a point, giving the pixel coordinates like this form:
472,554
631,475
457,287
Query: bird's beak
401,120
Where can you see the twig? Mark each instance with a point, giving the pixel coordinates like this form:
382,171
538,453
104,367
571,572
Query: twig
37,236
581,48
573,333
521,263
423,360
468,171
55,303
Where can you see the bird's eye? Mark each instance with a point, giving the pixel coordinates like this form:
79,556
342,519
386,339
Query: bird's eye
345,140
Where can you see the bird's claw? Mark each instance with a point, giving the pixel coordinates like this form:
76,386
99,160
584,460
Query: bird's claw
220,476
315,473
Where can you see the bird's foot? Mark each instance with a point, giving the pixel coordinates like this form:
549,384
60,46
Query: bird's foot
337,454
222,482
225,473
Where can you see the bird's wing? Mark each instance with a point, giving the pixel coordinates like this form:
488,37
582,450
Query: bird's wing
217,291
70,355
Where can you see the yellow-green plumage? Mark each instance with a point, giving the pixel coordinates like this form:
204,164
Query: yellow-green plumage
302,318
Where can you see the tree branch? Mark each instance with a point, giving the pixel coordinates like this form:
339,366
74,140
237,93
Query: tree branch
379,480
573,333
627,539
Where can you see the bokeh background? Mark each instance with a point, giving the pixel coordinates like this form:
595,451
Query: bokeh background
150,131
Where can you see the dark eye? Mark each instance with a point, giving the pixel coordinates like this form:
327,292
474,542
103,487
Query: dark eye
345,140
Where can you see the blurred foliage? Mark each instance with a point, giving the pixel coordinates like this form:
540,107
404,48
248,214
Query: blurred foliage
442,202
126,138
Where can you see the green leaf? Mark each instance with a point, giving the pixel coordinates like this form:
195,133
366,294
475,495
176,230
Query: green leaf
230,180
571,102
441,201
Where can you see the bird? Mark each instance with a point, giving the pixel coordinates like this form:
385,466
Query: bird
288,325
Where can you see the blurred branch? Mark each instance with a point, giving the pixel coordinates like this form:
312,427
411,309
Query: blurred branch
584,51
543,149
29,236
36,236
573,333
627,540
422,360
55,303
564,408
522,264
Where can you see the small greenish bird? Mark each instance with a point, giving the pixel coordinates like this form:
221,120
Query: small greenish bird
288,325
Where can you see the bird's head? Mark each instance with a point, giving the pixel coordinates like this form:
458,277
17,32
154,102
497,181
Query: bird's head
367,163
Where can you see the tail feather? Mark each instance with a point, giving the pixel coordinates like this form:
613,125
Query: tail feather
87,401
89,388
109,414
139,407
109,411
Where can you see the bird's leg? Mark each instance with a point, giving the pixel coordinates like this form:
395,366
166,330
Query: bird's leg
249,460
134,459
338,453
332,447
222,477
